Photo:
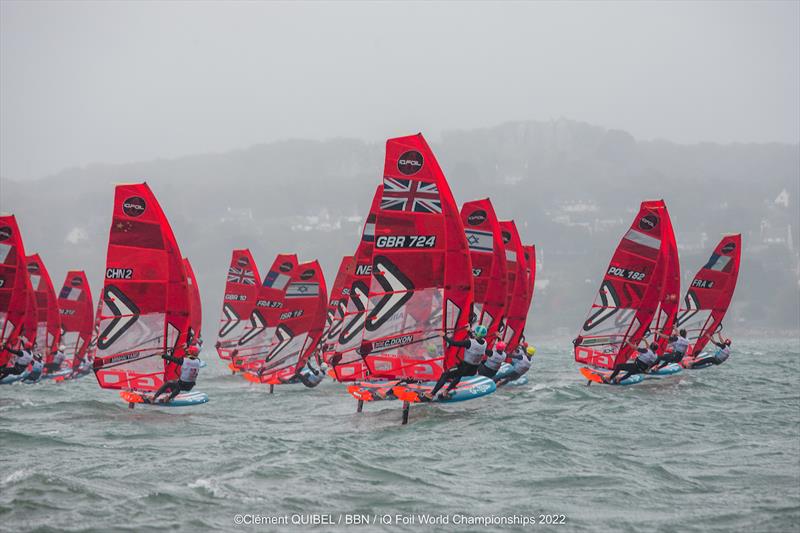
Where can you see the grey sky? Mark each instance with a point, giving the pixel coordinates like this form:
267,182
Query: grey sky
117,82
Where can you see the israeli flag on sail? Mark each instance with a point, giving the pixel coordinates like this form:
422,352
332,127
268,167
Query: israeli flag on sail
479,241
302,290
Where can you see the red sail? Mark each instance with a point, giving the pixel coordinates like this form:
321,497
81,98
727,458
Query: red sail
517,296
530,264
257,340
343,352
299,325
530,260
630,292
710,293
15,287
241,289
337,305
77,316
196,306
664,319
489,269
48,322
145,296
421,283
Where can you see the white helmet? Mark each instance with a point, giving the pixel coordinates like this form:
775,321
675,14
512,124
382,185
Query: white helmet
323,367
61,348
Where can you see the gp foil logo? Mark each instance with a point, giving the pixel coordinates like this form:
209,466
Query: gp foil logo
410,163
285,267
728,248
134,206
308,274
76,281
5,233
480,388
476,218
243,261
506,237
33,267
648,222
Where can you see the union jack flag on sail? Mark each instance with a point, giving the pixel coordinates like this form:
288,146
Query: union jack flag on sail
241,275
410,195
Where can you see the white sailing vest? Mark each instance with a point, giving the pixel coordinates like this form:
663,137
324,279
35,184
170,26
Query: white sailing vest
495,360
24,359
474,354
189,370
723,354
680,345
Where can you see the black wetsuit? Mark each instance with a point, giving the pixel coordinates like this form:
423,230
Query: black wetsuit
710,359
310,382
674,356
461,370
636,367
174,387
16,369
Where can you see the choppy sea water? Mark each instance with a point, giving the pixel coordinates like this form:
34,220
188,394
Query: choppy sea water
708,450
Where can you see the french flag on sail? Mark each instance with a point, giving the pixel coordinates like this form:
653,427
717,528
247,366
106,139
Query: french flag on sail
276,280
69,293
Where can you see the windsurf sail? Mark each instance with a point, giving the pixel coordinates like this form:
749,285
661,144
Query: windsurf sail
517,296
48,319
421,286
630,292
489,269
195,305
241,289
709,296
256,342
344,349
77,316
530,263
337,305
669,300
146,300
15,287
299,325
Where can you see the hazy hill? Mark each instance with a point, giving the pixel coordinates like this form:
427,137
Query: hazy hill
572,187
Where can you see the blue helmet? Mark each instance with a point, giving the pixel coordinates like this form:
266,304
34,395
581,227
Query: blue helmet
480,331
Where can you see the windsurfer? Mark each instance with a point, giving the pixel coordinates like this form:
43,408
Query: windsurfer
492,363
312,377
58,358
36,370
476,348
521,363
22,358
719,357
644,361
190,368
678,344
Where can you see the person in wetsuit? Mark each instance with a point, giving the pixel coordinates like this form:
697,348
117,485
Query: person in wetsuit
22,358
313,377
475,349
719,357
677,348
58,358
644,361
190,368
36,370
492,363
521,361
